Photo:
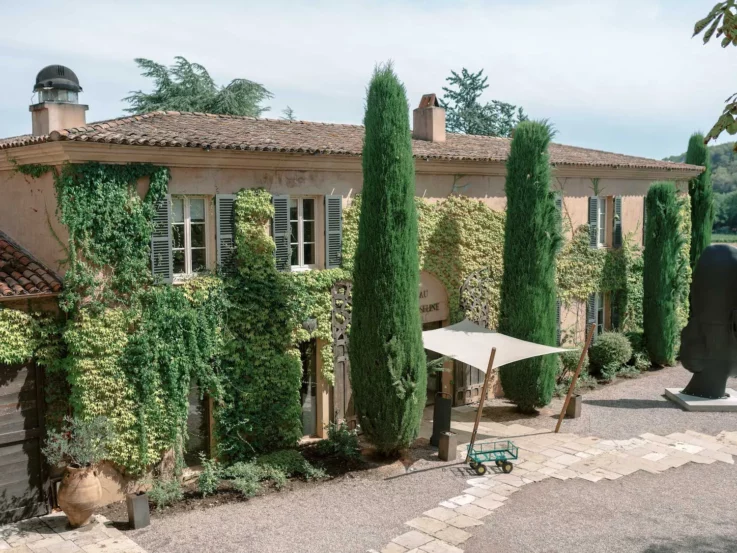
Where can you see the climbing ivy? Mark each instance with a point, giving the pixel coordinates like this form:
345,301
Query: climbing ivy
128,350
19,336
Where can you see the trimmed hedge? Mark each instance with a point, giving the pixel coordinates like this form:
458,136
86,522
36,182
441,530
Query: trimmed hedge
609,352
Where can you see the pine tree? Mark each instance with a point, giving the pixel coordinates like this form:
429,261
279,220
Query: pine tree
532,239
663,242
388,372
702,198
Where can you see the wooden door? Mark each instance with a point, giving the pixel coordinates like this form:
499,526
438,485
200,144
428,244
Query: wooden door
22,471
468,384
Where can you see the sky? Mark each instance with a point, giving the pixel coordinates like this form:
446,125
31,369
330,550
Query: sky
622,76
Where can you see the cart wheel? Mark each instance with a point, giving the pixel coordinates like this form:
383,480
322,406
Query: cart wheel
498,463
507,467
480,470
473,465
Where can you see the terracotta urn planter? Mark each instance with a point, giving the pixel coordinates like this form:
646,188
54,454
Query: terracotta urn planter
79,494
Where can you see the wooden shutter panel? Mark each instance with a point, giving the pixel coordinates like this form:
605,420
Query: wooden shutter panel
591,309
281,233
225,224
557,321
161,256
594,221
559,201
333,231
617,226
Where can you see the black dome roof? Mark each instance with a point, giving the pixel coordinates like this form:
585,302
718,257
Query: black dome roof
57,76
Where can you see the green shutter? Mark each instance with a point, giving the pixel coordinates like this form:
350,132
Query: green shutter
591,310
281,233
161,255
617,226
594,221
333,231
225,225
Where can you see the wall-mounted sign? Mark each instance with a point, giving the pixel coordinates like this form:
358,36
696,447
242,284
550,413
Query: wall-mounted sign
433,299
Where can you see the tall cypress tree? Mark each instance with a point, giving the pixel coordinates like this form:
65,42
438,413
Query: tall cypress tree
663,242
388,372
532,238
702,198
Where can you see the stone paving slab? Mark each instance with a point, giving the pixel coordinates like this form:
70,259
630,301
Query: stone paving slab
51,534
563,456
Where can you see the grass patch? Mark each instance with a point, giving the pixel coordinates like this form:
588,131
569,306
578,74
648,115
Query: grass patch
724,238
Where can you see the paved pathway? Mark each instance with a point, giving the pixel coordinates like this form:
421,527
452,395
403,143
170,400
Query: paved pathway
51,534
445,528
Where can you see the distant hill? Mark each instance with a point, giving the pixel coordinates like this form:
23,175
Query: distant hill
723,166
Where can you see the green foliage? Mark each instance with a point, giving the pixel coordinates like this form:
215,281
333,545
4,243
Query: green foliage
80,443
569,360
341,443
19,336
388,372
610,351
531,243
702,198
261,369
188,86
721,22
465,114
723,163
663,244
724,238
291,463
109,226
243,473
209,478
248,487
165,492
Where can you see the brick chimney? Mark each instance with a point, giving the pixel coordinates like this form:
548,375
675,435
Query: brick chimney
428,120
58,96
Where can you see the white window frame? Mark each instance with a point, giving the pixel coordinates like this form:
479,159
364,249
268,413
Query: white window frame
601,222
301,265
188,273
599,312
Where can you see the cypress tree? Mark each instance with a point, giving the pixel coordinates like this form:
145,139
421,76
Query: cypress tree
388,372
532,238
663,242
702,198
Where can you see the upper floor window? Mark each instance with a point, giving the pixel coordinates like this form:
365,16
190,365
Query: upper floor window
601,223
302,232
188,235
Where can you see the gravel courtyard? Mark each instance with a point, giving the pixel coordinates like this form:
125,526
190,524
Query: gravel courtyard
689,508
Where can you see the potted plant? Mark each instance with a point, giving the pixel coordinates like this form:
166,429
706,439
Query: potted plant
79,447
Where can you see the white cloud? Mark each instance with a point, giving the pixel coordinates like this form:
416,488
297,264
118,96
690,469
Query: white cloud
629,61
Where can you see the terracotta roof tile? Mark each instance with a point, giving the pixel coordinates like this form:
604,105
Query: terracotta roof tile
21,275
199,130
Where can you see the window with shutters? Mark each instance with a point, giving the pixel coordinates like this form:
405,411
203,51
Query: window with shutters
595,311
189,225
601,223
302,233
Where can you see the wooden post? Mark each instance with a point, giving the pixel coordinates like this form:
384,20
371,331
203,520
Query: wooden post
484,391
592,329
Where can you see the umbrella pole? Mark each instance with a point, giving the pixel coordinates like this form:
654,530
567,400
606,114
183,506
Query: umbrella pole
572,387
484,390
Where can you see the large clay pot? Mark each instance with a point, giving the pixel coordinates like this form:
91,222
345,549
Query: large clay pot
79,494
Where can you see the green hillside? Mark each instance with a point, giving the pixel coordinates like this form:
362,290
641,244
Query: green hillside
723,167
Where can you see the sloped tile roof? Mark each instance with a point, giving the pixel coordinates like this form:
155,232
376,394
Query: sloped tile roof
199,130
22,276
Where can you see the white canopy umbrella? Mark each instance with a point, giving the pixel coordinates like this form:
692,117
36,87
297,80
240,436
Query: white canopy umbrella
470,343
486,349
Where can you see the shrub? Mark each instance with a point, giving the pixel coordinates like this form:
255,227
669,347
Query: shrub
290,463
251,471
640,359
247,486
609,352
702,198
388,372
568,361
79,443
663,242
164,492
209,478
532,238
341,443
585,382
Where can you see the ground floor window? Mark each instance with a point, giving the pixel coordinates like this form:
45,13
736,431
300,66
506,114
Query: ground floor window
435,378
308,392
198,428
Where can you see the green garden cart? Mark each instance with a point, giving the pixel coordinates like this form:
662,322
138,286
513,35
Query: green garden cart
500,452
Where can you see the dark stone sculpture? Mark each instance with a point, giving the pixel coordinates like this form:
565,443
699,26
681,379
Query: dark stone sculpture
709,340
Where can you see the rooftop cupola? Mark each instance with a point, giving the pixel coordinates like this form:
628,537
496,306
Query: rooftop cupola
57,104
